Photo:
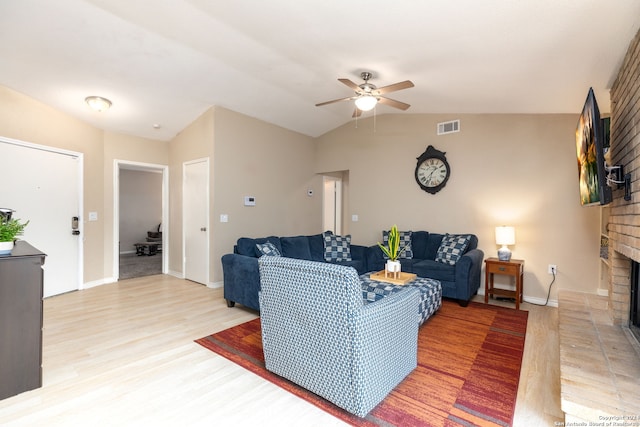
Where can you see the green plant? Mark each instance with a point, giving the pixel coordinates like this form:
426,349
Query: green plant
10,229
392,250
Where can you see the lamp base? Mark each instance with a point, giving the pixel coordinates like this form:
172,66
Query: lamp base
504,254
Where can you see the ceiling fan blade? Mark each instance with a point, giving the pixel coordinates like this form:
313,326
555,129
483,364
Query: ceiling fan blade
351,84
393,103
392,88
357,112
334,100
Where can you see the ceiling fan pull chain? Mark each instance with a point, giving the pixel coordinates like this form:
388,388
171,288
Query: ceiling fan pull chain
374,119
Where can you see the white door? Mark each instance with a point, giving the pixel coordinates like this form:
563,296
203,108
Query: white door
195,217
43,187
332,204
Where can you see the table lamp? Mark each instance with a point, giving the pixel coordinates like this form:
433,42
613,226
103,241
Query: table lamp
505,236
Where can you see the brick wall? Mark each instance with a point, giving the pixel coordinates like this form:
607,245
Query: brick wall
624,219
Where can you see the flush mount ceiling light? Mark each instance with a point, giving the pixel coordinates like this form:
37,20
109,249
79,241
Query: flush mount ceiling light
98,103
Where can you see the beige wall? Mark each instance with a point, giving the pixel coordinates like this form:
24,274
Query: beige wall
248,157
28,120
516,170
194,142
276,166
131,149
506,169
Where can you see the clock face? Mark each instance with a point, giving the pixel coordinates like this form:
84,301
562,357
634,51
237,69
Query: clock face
432,170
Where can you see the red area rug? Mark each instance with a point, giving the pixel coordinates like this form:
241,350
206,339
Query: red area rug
468,370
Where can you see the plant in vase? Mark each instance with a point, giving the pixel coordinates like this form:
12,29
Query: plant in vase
9,230
392,251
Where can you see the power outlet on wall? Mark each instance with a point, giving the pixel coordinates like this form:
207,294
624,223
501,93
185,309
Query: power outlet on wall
553,269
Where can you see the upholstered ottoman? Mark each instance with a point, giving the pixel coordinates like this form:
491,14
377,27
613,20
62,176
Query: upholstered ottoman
430,293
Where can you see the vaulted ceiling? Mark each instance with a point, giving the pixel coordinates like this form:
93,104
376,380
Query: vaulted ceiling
165,62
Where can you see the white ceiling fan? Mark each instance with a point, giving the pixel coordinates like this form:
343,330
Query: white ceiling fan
367,95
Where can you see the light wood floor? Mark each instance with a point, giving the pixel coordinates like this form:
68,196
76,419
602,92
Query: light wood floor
123,354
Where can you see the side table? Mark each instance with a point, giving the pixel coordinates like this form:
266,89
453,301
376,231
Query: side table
514,267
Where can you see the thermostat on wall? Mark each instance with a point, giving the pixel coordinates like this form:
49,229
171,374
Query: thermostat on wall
249,201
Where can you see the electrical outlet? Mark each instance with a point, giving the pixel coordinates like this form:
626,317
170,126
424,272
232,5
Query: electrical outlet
553,269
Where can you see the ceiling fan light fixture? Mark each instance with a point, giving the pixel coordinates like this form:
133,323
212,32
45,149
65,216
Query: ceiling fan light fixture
98,103
366,102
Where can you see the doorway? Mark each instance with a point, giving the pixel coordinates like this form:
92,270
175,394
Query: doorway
140,213
195,220
44,186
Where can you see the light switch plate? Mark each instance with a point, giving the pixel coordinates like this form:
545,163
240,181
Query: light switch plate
93,216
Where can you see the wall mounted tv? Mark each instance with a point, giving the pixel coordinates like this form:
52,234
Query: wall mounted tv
590,149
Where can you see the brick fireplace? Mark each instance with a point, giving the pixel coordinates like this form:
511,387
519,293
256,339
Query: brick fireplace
599,365
624,219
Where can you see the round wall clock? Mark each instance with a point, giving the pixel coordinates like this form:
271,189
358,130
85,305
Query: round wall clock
432,170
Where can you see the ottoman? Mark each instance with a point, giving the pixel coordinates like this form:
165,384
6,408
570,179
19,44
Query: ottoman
430,293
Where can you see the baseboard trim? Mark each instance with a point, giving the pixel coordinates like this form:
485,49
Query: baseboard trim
177,274
215,285
541,301
94,283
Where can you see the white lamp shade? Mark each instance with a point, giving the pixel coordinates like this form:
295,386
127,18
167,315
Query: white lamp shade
366,102
505,235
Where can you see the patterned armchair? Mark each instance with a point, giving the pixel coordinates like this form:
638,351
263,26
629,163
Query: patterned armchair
318,333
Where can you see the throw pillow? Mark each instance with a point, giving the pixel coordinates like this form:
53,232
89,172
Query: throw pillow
452,248
405,242
336,248
267,249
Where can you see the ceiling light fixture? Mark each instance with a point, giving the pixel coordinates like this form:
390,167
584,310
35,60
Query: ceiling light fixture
98,103
366,102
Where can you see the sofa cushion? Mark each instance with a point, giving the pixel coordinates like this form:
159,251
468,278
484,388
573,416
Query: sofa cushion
433,244
435,270
268,249
405,244
316,246
247,246
419,240
296,247
336,248
452,247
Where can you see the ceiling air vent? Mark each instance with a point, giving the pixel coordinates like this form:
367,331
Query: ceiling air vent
448,127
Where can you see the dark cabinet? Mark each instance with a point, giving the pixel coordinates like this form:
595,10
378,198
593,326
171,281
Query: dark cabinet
21,282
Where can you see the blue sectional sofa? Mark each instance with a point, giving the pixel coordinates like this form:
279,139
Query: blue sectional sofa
459,275
459,278
241,273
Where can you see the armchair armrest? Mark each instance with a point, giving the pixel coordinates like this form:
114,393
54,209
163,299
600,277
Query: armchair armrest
377,344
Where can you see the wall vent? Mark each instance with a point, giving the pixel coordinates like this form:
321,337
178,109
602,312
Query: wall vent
448,127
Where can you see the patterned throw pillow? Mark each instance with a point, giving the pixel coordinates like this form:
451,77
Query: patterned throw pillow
405,241
268,249
452,248
336,248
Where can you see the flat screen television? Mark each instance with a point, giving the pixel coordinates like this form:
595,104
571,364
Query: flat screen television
590,149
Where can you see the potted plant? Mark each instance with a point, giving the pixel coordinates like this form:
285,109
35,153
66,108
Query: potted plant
9,230
393,251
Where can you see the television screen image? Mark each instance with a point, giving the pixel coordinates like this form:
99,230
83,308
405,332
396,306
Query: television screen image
592,172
